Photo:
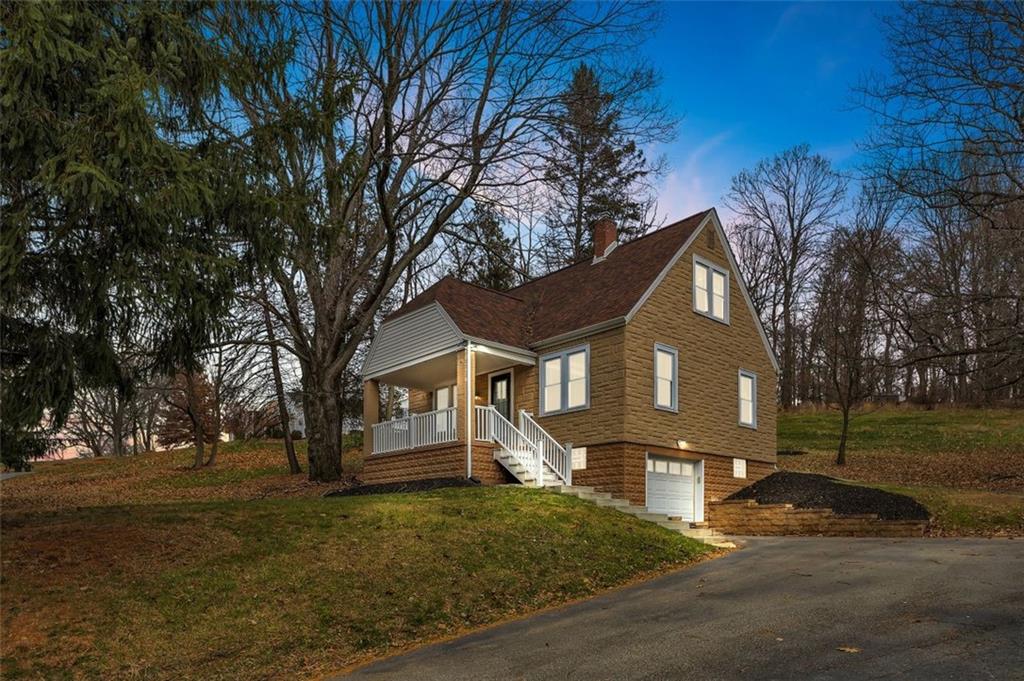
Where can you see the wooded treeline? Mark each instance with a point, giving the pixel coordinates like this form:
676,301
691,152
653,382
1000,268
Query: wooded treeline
209,206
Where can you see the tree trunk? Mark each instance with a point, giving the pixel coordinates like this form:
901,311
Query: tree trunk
282,404
788,355
841,454
198,432
324,441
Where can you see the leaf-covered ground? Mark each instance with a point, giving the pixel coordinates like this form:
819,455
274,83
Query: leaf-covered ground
139,568
965,465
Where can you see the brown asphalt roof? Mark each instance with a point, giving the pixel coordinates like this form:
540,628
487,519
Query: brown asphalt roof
565,300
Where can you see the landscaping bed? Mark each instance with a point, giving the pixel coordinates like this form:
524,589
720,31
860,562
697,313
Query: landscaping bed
807,490
403,487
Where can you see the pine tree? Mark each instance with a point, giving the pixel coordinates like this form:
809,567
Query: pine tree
483,254
595,168
113,196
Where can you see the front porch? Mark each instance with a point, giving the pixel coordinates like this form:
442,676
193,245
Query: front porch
469,405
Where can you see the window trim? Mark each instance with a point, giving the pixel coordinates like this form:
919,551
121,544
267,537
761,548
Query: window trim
674,406
745,373
563,355
712,267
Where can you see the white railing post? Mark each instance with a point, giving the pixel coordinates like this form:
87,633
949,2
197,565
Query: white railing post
540,463
568,467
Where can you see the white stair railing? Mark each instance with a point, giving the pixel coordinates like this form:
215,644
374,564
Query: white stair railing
491,425
415,430
557,456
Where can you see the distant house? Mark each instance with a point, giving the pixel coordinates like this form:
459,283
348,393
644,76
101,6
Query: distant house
296,414
643,372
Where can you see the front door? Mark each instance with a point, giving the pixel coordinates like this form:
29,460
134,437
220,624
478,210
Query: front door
501,394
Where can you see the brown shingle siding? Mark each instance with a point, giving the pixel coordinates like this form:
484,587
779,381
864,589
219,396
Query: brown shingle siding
710,357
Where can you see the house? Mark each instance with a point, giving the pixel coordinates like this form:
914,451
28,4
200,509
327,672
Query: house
643,372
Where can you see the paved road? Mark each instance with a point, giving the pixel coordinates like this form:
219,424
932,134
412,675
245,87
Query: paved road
779,609
12,474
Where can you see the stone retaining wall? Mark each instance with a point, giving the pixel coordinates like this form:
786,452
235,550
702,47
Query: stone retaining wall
747,517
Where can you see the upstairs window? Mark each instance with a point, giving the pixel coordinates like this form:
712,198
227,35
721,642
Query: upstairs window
565,380
666,377
748,399
710,290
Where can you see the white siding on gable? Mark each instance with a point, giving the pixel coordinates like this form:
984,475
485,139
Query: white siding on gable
417,335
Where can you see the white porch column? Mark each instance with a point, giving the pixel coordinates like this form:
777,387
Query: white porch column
465,391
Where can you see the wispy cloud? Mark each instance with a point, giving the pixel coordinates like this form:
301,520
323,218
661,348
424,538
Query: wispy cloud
694,185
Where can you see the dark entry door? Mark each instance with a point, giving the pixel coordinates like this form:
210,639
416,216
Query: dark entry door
501,394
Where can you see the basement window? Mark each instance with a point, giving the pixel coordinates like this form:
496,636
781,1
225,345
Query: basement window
739,468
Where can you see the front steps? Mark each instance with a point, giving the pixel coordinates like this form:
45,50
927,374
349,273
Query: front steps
524,475
699,531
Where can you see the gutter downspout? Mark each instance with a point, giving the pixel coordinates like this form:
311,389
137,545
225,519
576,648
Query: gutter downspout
470,389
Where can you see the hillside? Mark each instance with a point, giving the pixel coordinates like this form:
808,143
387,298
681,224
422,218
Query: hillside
140,568
964,465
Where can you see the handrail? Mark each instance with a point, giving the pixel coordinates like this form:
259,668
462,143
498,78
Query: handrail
416,430
558,457
491,425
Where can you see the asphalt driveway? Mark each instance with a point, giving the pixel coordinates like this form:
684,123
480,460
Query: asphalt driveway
781,608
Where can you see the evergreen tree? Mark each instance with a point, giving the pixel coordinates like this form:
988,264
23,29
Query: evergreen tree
112,195
482,253
595,168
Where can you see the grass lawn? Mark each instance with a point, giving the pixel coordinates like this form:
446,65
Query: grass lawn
965,465
137,568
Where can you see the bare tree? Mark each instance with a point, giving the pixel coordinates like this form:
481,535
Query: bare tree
792,199
380,125
949,128
856,269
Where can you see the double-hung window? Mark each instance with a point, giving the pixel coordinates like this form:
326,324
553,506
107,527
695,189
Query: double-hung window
710,290
748,398
666,377
565,380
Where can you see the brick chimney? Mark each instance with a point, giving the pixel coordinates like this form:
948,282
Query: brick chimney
605,237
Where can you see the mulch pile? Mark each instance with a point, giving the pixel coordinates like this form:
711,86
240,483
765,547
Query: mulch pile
398,487
807,490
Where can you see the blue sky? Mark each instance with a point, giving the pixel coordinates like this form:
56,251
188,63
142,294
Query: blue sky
752,79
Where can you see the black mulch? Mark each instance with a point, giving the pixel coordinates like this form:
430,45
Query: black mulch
410,486
807,490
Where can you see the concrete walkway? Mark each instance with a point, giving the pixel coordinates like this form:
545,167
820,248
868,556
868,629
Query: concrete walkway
781,608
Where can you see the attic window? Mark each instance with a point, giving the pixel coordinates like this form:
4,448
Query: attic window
710,290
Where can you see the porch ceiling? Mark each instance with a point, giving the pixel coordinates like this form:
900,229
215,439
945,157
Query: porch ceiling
440,371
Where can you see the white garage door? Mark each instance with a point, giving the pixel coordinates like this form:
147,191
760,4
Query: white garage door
670,486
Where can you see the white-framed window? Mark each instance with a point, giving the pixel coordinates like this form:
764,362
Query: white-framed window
444,398
579,458
565,380
710,290
739,468
748,398
666,377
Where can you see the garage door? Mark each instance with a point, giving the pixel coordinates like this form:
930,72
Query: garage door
670,486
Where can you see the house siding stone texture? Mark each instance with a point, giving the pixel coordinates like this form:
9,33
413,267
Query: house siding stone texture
446,461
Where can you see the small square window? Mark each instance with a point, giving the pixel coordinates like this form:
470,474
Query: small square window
579,458
675,468
739,468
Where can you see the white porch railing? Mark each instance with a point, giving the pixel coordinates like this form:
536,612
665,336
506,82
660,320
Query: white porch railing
558,457
415,430
491,425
